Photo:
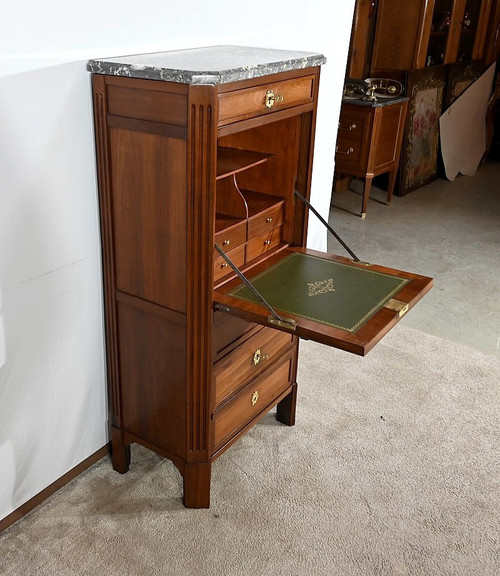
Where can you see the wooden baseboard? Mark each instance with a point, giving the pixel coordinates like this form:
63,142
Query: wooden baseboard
51,489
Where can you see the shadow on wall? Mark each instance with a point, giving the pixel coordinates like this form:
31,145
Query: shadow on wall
52,390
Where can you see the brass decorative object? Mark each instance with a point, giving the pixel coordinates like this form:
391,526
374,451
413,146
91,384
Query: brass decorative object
272,99
258,357
255,397
320,287
398,305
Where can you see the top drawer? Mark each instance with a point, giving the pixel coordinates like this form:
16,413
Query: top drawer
249,102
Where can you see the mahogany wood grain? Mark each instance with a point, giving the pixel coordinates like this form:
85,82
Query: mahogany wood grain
250,102
256,397
147,104
200,192
108,260
241,365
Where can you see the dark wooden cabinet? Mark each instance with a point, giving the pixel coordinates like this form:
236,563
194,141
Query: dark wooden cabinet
369,142
415,34
198,174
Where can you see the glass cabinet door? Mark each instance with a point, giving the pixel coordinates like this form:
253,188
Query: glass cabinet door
457,31
469,27
441,27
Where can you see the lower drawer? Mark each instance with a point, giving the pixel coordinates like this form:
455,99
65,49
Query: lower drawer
248,360
257,397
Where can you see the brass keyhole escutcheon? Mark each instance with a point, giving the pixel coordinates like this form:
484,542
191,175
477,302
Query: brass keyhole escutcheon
255,397
258,356
272,99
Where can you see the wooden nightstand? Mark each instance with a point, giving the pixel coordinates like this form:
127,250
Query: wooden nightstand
369,142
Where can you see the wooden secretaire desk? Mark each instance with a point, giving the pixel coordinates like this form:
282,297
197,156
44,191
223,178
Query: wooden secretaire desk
200,156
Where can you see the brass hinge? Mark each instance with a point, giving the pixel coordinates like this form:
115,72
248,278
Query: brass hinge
283,322
397,305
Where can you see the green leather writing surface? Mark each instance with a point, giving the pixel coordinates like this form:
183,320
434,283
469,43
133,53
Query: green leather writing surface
332,293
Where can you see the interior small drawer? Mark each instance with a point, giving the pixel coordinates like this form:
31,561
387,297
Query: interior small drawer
249,102
230,237
265,221
248,360
222,268
257,397
263,242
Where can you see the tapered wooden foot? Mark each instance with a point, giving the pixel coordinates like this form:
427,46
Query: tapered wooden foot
392,181
366,195
286,408
197,485
120,452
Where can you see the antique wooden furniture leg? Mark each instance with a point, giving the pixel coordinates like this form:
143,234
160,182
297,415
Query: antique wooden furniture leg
366,194
197,485
120,452
286,408
392,181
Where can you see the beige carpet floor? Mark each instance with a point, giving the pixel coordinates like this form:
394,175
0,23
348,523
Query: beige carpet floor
392,469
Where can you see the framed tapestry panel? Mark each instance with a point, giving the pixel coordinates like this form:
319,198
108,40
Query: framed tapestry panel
419,156
459,76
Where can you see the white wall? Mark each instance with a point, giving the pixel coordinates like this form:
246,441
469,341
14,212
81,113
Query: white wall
52,376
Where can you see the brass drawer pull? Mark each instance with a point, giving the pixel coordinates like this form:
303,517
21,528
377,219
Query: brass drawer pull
267,242
226,242
272,99
223,265
258,357
349,129
269,220
346,152
255,397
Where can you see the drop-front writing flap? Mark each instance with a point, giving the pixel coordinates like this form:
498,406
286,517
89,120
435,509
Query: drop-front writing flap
327,298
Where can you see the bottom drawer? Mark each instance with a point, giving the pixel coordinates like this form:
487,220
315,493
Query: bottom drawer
255,398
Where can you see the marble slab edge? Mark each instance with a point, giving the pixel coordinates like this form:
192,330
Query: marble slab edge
120,67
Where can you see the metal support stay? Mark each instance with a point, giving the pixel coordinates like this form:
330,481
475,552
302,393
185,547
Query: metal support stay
328,227
275,318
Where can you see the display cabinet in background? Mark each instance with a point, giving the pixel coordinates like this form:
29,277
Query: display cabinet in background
415,34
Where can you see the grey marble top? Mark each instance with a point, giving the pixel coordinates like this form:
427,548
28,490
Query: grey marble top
209,65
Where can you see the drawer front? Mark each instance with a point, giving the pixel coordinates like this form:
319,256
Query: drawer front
221,267
348,152
352,126
265,221
262,243
250,102
248,360
231,237
256,397
353,138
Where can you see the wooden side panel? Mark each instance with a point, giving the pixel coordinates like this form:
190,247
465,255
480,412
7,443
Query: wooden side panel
152,374
149,210
200,226
389,125
106,220
144,104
